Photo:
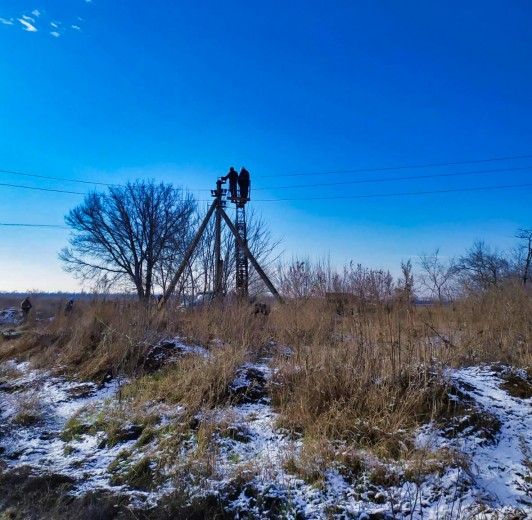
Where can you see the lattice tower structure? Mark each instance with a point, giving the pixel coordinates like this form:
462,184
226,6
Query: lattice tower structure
242,265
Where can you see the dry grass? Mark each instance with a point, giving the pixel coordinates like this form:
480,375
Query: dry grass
94,340
29,411
371,378
195,382
366,378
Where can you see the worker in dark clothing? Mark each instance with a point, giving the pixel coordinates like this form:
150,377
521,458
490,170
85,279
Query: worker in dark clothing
243,183
69,306
233,179
25,306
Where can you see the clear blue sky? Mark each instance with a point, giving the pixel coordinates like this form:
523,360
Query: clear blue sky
109,91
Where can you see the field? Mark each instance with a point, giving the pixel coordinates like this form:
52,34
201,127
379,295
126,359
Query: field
118,410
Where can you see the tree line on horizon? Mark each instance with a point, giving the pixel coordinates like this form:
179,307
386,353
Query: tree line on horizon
135,236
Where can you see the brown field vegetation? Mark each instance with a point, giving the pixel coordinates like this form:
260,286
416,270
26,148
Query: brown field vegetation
365,377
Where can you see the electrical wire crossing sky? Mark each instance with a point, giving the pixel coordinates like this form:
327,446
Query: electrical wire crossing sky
374,132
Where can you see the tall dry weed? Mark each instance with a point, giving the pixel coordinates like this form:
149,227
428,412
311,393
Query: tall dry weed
370,377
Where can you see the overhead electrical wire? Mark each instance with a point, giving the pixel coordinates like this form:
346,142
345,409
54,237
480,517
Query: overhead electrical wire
376,195
451,190
57,226
331,172
340,183
334,197
366,181
391,168
42,189
11,172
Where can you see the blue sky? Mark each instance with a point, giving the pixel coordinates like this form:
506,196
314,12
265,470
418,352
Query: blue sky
179,91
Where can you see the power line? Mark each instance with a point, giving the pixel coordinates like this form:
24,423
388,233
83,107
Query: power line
42,189
400,194
364,181
56,178
390,168
331,172
485,188
34,225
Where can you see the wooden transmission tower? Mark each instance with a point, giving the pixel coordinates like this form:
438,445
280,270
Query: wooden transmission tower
243,254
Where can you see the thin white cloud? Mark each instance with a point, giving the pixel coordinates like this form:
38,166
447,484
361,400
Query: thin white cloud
31,21
27,25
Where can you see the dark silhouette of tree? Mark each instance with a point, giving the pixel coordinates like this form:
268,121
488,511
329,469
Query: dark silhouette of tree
124,234
525,250
482,268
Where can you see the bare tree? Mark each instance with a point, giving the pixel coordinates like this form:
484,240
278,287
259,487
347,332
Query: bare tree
303,278
405,285
298,279
481,268
525,251
173,256
437,275
370,285
124,234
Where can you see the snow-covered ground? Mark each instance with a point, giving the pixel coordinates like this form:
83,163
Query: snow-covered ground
10,316
34,409
498,450
491,479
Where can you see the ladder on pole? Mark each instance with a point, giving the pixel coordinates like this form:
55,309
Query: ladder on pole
242,267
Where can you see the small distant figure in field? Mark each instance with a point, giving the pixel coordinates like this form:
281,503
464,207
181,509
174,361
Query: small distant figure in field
233,180
243,183
69,306
26,306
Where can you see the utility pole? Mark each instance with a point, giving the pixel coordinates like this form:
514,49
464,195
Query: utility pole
242,253
218,268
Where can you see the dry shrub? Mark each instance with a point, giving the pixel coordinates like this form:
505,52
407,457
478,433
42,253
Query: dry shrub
311,461
424,461
364,378
494,326
302,322
98,338
371,377
233,323
29,411
95,339
195,381
368,377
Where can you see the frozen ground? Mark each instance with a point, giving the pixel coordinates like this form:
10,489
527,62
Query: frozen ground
489,474
10,316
